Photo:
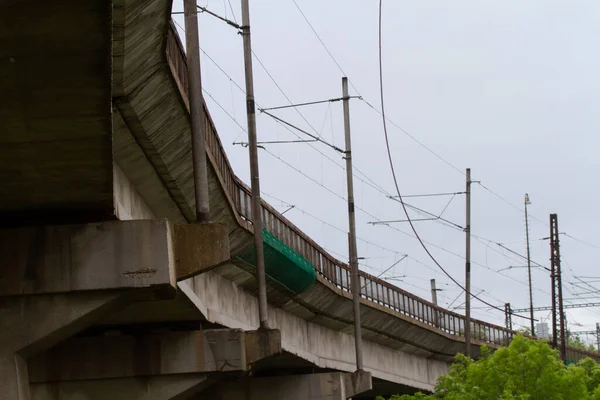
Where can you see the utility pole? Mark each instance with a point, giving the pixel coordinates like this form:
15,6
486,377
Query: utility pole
433,292
198,122
558,317
598,336
352,230
434,301
254,175
529,266
507,316
468,269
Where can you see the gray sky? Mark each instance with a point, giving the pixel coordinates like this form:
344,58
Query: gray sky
507,88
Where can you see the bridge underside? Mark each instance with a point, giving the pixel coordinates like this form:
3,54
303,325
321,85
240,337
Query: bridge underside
55,111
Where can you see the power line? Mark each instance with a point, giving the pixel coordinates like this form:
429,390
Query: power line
206,10
323,44
232,12
282,92
366,180
359,238
396,181
412,137
391,227
581,241
339,196
547,308
432,194
333,226
373,184
310,103
317,138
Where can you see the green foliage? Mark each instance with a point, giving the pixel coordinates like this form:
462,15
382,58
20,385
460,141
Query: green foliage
524,330
576,341
525,370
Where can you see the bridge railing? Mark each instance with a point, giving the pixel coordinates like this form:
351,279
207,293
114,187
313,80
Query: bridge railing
334,271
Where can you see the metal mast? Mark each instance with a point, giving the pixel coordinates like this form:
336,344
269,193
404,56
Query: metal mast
558,317
529,266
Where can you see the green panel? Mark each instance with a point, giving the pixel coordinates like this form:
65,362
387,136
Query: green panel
283,265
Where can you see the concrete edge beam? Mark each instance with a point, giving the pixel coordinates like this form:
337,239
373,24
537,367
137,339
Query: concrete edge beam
200,248
99,256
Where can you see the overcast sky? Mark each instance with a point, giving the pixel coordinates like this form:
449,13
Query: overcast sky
507,88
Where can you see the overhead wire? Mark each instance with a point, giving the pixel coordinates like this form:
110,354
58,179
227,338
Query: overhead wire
341,197
364,179
389,152
364,240
365,101
282,92
431,151
367,179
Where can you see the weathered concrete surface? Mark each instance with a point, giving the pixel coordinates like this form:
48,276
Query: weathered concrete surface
357,383
55,111
324,386
172,353
142,175
128,202
200,248
30,324
148,102
149,388
110,255
261,344
223,302
57,280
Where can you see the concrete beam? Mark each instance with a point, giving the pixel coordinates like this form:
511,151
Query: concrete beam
109,255
357,383
325,386
224,303
192,352
261,344
150,388
200,248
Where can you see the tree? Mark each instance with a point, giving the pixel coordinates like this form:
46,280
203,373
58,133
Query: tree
525,370
575,341
524,330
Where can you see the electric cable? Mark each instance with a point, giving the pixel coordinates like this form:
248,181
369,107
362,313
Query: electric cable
396,181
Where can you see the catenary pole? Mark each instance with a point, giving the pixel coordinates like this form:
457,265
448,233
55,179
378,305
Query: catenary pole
254,170
352,229
468,268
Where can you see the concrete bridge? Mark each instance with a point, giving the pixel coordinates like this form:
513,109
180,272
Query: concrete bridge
106,288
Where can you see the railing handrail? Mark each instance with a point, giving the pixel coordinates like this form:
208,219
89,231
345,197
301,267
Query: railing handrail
240,194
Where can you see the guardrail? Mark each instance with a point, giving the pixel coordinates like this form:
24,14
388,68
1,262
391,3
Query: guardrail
333,270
